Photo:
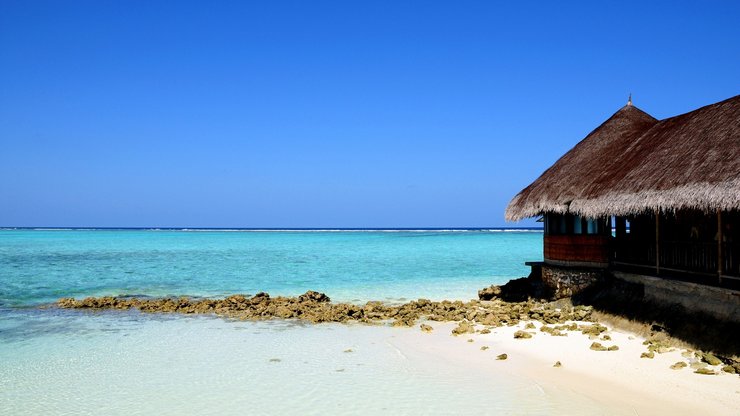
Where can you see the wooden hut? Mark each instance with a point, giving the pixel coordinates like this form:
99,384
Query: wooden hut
654,197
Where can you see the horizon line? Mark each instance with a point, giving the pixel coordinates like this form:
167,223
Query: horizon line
52,228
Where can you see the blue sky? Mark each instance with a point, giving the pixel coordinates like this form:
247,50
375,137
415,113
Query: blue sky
327,114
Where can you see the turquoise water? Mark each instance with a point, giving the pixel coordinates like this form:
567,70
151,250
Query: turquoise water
38,267
58,362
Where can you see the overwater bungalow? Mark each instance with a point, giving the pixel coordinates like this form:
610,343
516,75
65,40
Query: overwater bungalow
643,199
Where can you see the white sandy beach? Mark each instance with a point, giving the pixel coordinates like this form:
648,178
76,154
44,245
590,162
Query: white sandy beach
620,380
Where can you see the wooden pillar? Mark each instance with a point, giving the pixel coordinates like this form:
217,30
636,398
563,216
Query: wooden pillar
719,245
657,241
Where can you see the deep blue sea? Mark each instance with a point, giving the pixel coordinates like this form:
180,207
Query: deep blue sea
40,266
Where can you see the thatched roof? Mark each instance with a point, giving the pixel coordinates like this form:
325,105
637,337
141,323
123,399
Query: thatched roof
634,163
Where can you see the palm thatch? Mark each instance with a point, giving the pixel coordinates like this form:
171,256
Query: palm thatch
634,163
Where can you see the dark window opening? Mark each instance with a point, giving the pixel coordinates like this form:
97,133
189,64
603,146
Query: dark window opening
569,224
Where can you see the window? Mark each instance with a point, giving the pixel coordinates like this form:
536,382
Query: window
578,225
555,224
569,224
592,226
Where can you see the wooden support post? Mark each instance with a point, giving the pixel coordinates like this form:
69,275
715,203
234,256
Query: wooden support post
657,241
719,245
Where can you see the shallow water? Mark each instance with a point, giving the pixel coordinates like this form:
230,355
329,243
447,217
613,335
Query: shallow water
128,363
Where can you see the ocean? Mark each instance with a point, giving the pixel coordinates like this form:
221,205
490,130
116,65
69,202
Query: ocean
56,361
40,266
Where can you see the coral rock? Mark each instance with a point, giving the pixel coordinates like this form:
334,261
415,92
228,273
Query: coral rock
597,347
679,365
705,371
464,327
710,359
489,293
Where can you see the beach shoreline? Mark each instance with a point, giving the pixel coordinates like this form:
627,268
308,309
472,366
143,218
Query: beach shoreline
427,366
402,369
634,375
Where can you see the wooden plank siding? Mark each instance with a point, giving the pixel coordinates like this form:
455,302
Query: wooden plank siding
577,248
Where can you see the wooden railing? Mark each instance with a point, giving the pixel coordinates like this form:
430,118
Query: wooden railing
691,257
634,252
731,259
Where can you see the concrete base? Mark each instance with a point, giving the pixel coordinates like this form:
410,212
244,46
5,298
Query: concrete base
723,304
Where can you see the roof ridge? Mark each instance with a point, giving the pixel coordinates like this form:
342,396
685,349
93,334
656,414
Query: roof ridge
659,161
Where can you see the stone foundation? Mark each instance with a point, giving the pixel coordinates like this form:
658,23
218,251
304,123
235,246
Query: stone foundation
566,282
722,304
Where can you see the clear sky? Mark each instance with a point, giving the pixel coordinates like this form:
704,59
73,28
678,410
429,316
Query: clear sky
327,114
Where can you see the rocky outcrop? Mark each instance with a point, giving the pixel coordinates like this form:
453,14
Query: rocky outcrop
516,290
317,307
312,296
557,318
489,293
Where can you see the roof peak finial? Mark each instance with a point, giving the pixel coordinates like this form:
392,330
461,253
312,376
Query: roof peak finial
629,100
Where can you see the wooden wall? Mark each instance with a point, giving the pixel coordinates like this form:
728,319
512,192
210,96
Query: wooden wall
577,248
